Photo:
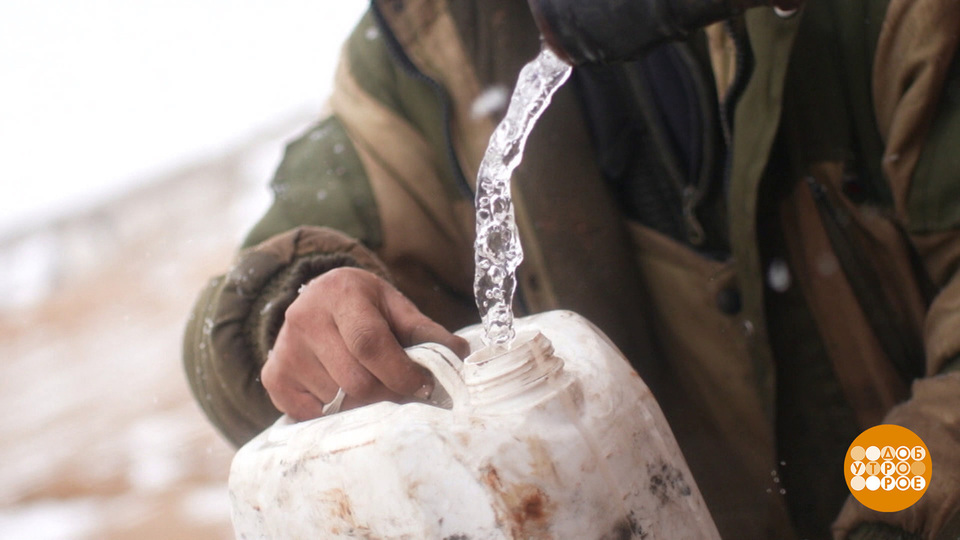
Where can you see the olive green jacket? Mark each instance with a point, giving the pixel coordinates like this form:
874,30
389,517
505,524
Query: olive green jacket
842,168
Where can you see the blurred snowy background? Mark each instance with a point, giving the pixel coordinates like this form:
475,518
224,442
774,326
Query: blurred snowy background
136,143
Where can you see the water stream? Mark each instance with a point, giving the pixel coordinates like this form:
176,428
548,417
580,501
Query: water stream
497,249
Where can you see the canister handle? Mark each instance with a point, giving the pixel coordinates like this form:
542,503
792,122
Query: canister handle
446,368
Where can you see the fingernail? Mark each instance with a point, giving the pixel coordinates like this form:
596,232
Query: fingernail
424,392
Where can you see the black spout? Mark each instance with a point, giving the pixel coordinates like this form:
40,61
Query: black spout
600,31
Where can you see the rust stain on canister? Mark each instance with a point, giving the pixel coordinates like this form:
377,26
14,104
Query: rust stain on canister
341,504
541,461
346,448
524,507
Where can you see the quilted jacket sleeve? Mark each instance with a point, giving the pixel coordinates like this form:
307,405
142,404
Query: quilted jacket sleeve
238,316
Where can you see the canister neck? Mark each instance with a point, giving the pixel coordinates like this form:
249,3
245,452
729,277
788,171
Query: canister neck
523,370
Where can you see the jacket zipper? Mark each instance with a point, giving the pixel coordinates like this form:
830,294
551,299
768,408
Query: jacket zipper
744,60
691,193
408,67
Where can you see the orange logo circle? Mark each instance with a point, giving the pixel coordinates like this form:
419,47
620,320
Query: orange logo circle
887,468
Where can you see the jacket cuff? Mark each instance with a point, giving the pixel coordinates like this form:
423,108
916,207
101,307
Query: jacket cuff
933,413
238,316
267,278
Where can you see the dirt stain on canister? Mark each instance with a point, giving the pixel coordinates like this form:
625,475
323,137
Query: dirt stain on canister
627,528
343,508
524,508
667,482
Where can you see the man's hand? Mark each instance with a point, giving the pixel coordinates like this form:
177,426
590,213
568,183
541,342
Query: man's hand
347,329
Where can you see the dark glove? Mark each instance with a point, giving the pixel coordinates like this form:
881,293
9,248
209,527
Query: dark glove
595,31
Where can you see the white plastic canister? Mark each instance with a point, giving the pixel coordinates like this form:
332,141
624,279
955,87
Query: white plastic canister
557,438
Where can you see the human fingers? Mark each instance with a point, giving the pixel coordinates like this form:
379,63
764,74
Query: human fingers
368,337
296,383
412,327
319,323
363,354
292,362
299,405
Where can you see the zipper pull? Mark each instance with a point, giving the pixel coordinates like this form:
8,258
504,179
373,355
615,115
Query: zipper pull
690,198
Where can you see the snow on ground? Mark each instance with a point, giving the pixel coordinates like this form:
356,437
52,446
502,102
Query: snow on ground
137,141
100,437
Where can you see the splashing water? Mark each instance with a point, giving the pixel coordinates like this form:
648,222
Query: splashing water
497,248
